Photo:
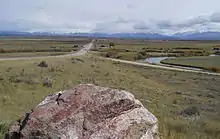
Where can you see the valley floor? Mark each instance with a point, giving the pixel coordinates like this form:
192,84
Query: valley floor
165,93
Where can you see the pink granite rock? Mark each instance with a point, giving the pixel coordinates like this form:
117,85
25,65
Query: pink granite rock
87,112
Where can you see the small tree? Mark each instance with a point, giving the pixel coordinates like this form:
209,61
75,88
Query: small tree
141,55
2,50
111,44
76,46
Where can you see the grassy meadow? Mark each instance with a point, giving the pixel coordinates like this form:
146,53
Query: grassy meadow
211,63
22,47
141,49
32,54
23,84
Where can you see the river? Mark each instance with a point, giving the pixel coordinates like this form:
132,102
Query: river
156,60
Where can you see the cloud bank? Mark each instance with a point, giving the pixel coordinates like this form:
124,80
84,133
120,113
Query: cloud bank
113,16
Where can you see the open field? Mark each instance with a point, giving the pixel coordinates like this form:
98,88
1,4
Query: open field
24,84
141,49
211,63
31,54
19,47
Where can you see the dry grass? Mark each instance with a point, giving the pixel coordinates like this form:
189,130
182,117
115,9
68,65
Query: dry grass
155,88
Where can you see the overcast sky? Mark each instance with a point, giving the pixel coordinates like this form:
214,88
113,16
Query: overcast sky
161,16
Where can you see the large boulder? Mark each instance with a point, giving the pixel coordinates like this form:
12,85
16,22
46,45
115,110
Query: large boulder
87,112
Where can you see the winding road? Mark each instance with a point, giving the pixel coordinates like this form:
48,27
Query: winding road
164,67
87,47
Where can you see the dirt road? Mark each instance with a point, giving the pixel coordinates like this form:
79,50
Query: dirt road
164,67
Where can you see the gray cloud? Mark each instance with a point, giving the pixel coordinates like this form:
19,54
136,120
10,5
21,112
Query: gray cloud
141,26
196,23
114,26
165,24
215,17
109,16
131,7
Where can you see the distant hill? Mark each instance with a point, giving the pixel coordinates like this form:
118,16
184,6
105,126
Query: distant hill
12,33
15,33
150,36
199,36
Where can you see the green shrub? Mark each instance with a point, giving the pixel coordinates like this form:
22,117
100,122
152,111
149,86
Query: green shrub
2,50
111,44
141,55
76,46
47,82
111,54
43,64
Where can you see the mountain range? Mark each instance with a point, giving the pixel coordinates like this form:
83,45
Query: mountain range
150,36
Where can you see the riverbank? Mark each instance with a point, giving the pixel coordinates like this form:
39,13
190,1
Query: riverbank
210,63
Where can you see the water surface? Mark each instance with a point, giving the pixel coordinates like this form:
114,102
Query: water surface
155,60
